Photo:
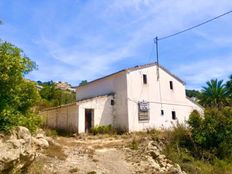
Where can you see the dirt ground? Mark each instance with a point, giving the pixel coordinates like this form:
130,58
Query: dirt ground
87,155
101,154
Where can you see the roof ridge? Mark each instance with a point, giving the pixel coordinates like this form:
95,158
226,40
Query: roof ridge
135,68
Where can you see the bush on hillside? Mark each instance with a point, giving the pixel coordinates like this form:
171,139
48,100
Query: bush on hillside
52,96
205,146
212,133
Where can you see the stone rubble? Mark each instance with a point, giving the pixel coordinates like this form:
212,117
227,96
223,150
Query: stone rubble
153,161
18,150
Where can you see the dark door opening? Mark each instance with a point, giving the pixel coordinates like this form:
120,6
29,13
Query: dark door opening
88,119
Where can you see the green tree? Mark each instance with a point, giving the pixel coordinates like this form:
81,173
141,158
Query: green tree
52,96
17,95
214,94
229,85
192,93
83,82
48,91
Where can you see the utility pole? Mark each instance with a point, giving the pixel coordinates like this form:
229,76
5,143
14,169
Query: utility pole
157,56
157,70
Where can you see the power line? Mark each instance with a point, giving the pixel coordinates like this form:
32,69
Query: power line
177,33
195,26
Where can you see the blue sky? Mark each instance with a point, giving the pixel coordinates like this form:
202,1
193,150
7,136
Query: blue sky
74,40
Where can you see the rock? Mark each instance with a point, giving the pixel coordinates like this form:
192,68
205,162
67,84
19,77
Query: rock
175,170
23,133
52,142
40,142
40,135
161,157
158,161
155,154
18,151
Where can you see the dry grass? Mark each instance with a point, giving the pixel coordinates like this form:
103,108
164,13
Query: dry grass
55,152
36,167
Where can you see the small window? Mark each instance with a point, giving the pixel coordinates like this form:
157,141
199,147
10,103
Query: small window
112,102
162,112
171,85
173,115
144,79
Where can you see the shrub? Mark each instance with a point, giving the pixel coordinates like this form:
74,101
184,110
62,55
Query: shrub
31,121
103,130
212,133
205,147
51,132
10,118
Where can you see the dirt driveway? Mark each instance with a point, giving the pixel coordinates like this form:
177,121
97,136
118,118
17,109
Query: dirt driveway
104,154
87,155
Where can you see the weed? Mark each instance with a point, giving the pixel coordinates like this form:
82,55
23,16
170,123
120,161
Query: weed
103,130
92,172
58,132
73,170
134,144
51,133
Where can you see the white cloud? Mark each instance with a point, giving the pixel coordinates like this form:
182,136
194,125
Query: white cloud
103,33
196,73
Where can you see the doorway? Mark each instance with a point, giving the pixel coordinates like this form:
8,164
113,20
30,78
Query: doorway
89,115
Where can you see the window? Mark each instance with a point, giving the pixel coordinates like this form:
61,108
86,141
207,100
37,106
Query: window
171,85
162,112
144,79
112,102
173,115
143,111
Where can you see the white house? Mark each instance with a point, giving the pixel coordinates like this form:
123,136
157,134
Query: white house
134,99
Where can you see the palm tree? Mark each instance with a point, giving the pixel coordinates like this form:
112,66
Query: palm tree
215,94
229,88
229,85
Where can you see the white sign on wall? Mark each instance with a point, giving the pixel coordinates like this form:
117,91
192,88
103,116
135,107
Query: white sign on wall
143,111
143,106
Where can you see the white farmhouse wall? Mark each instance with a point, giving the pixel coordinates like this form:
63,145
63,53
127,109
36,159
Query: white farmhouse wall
116,84
103,111
156,92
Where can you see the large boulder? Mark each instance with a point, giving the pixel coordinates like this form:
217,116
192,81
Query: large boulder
18,150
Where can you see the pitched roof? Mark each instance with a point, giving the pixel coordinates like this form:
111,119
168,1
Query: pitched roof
133,69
